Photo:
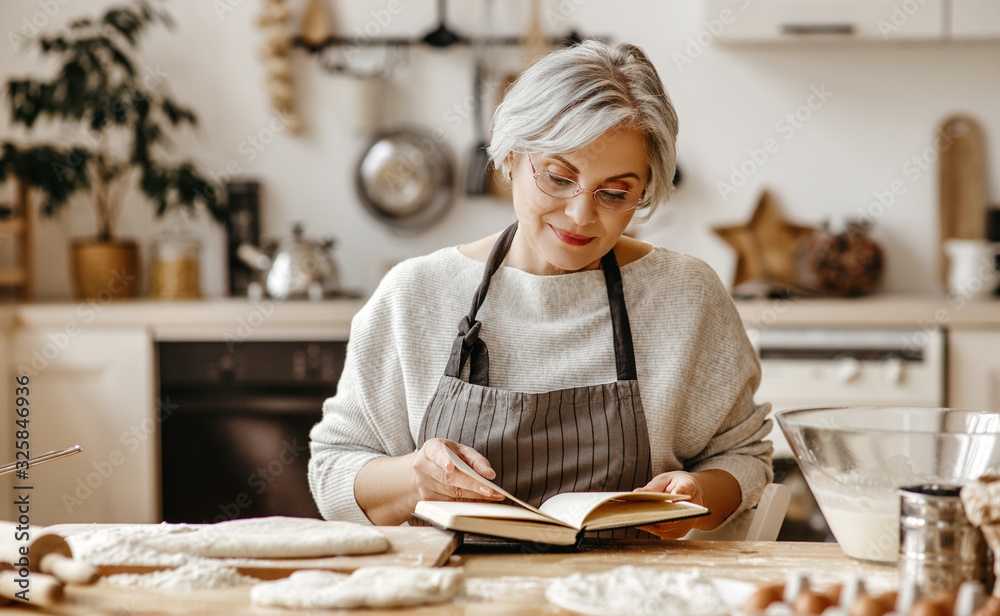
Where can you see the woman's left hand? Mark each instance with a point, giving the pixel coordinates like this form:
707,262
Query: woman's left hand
674,482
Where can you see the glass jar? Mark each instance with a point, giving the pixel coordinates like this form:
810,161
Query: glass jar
176,266
843,259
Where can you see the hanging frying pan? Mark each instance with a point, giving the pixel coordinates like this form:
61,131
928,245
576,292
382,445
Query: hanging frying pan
405,179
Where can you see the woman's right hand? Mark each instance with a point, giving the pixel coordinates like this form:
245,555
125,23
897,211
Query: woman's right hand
437,479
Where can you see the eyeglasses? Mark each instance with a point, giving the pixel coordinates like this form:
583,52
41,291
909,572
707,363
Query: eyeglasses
564,188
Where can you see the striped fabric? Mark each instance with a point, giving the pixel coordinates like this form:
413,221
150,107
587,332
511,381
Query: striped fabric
695,367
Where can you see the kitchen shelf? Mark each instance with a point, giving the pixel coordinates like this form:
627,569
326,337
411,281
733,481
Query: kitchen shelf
441,37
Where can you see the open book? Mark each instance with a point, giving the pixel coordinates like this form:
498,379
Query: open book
561,519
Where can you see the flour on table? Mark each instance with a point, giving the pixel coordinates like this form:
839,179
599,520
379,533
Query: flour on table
270,537
122,544
366,587
491,589
196,575
635,591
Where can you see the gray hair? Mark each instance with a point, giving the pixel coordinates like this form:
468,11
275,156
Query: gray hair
572,96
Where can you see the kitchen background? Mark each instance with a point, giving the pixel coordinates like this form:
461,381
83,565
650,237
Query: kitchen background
867,116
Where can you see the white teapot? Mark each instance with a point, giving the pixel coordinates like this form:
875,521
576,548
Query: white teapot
972,271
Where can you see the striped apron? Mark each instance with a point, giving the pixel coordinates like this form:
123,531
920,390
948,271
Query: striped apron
541,444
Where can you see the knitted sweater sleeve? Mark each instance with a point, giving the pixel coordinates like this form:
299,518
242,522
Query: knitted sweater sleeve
367,418
731,370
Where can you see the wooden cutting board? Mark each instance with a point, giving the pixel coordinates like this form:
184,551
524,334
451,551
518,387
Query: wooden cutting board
409,546
961,185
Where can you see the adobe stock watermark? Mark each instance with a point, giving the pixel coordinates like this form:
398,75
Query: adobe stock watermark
31,26
711,30
786,127
899,16
102,470
59,341
913,169
558,17
247,325
374,27
225,7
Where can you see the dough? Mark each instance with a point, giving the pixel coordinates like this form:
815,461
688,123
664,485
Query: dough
366,587
271,537
637,591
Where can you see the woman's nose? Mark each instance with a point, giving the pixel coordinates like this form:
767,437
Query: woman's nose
582,208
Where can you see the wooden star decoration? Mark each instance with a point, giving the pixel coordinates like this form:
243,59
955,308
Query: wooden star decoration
767,245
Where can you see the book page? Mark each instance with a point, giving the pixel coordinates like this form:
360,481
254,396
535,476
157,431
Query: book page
573,508
463,466
446,511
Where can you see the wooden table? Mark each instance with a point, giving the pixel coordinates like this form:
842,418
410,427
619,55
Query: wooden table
504,580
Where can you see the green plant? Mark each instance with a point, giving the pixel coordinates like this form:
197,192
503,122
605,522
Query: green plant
122,113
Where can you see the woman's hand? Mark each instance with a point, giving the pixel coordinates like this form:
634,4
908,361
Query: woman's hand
714,489
674,482
437,479
387,489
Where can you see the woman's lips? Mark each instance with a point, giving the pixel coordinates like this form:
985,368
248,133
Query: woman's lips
570,238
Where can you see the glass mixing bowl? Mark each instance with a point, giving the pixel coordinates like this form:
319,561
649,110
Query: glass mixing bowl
855,458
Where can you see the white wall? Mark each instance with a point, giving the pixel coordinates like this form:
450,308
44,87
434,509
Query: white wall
887,100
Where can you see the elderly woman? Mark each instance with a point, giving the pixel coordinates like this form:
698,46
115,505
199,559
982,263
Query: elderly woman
588,360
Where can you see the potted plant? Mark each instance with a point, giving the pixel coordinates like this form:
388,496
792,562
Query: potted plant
123,115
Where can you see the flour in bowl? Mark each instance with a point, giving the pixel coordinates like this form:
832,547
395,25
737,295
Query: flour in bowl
637,591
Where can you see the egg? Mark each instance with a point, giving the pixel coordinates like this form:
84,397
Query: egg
763,597
811,602
888,600
866,605
833,593
928,607
946,600
990,608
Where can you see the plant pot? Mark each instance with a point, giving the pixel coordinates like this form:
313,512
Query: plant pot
105,270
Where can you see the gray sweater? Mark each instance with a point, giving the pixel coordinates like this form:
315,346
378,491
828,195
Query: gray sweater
697,371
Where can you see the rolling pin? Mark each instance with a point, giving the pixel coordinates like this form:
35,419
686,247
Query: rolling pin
46,554
40,589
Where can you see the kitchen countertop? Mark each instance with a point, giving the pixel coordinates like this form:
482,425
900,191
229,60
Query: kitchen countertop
211,319
214,318
878,310
505,581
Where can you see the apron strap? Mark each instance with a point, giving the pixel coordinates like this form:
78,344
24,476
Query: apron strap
468,345
624,351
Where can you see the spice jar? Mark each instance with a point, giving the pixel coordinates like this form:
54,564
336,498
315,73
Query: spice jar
175,266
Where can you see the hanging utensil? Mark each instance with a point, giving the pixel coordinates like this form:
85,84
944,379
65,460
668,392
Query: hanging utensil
317,27
441,36
405,179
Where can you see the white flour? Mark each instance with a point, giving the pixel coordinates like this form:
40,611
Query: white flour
192,576
637,591
123,545
491,589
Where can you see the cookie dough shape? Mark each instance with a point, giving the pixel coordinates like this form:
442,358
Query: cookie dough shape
366,587
270,537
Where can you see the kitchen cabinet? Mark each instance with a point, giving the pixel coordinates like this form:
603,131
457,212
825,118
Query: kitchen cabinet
974,369
95,387
975,19
825,20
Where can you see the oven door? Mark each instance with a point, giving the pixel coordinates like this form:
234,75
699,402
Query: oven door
236,441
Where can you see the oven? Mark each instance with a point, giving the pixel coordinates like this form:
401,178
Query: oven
802,367
236,443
